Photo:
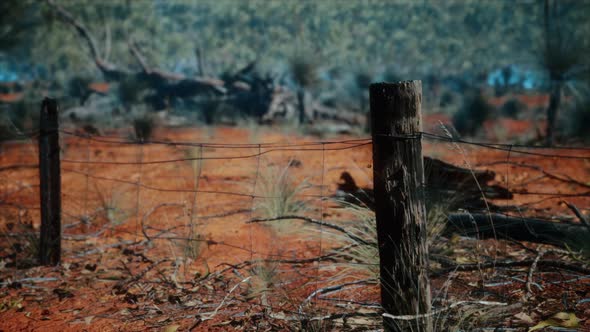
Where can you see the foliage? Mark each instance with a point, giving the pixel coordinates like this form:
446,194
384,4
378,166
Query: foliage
446,99
306,40
474,111
18,120
78,88
304,70
18,18
512,108
564,52
576,124
413,38
143,127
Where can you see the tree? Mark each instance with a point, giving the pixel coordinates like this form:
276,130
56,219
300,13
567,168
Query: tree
303,70
564,55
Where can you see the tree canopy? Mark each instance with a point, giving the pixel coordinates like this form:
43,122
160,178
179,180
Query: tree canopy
412,38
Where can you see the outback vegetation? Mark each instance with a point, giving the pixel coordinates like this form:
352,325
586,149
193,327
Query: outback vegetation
216,164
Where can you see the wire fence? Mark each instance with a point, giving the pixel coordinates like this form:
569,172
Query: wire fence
269,214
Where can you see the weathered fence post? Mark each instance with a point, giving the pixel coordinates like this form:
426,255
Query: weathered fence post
399,204
50,178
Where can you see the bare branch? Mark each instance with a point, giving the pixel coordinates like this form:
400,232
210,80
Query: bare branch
318,222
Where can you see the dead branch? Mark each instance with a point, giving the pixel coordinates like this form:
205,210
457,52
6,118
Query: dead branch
524,263
212,314
150,212
19,166
139,57
561,234
438,311
335,288
562,178
122,285
187,84
578,214
245,264
317,222
107,68
529,280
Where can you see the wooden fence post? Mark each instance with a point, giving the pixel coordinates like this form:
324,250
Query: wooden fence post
399,204
50,178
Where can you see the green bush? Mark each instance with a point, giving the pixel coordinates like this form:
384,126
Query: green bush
472,114
512,108
19,120
78,88
446,99
576,124
143,127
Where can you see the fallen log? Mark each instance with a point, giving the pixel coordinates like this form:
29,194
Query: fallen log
573,236
446,184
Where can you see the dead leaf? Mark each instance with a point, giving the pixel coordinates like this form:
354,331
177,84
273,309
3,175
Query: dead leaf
171,328
560,319
524,318
464,260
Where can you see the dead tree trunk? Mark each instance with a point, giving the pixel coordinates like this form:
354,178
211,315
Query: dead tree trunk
399,204
554,100
50,184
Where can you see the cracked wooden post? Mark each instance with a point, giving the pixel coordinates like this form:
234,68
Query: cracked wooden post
399,204
50,184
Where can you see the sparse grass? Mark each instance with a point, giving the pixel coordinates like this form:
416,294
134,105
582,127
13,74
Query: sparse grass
362,257
265,278
280,196
110,201
466,317
194,241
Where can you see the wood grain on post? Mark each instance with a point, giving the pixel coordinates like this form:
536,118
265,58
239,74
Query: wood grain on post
399,199
50,184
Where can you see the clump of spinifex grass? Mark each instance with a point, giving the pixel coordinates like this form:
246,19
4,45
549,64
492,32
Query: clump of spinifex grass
265,279
194,241
280,196
360,250
111,200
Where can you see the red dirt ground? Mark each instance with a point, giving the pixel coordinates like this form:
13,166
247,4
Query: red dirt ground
112,280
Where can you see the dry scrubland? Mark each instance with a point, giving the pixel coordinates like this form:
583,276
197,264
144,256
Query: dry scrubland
138,255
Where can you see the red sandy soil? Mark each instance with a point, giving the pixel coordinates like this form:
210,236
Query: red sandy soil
532,100
11,97
94,288
100,87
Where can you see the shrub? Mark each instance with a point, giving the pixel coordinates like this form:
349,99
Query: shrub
20,119
512,108
576,124
143,127
280,196
78,88
472,114
446,99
